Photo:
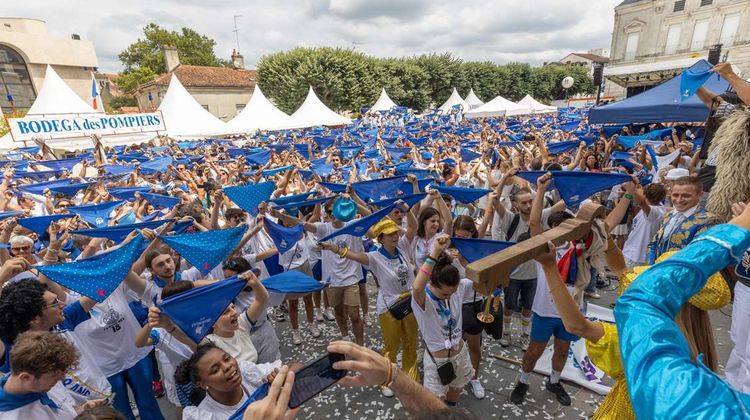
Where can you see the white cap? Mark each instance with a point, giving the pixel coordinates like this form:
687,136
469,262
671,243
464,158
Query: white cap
676,173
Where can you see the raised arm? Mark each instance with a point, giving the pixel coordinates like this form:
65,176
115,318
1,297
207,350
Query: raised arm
423,275
621,209
535,217
258,307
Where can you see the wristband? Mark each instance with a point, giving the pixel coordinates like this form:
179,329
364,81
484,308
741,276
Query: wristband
389,376
628,196
430,261
429,273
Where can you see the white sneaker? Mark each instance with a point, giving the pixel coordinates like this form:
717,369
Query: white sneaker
328,314
314,330
388,393
505,340
593,295
296,337
319,315
134,408
477,389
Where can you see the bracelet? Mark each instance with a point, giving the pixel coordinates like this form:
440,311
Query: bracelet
429,273
628,196
389,377
346,251
51,260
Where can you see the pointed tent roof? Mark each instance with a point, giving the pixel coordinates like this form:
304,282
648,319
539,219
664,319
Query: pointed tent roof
473,100
384,102
56,97
454,99
536,106
313,112
498,107
260,114
186,118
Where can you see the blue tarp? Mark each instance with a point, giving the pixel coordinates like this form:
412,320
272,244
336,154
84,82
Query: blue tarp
660,104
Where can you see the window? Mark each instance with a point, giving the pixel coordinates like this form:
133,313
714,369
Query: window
15,82
239,107
631,46
679,6
699,35
706,2
673,39
729,29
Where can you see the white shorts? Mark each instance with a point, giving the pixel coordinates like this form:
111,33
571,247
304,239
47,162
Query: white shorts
461,365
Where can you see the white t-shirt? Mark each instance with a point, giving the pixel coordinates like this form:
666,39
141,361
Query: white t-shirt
295,257
39,411
422,248
152,291
500,228
644,228
337,271
543,304
433,327
394,278
239,345
257,244
253,376
110,334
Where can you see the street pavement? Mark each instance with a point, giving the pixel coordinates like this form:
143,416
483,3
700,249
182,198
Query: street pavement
497,376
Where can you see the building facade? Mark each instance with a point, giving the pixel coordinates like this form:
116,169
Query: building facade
589,60
654,40
222,91
25,51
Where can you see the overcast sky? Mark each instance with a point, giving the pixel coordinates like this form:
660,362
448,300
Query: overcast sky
531,31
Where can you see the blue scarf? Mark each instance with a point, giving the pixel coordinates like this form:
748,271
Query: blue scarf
444,311
10,402
162,284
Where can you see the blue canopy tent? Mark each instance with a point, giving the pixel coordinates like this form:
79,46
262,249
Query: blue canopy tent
660,104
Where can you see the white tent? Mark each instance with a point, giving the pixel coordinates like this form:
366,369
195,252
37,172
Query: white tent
186,118
260,114
313,112
473,100
454,99
536,106
498,107
384,102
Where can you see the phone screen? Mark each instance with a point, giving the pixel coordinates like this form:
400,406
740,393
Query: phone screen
314,378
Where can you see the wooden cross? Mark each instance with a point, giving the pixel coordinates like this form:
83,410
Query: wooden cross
494,270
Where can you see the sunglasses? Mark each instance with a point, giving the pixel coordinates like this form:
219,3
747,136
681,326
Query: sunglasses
231,265
55,303
21,248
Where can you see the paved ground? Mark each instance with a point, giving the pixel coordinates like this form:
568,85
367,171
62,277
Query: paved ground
497,376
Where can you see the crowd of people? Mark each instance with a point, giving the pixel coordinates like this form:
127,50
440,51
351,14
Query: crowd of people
100,247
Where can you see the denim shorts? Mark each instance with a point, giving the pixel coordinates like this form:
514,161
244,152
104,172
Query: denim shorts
520,294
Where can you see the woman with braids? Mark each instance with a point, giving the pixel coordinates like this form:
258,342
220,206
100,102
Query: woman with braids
436,301
221,383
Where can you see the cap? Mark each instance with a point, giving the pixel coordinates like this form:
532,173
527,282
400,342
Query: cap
676,173
384,227
344,209
426,155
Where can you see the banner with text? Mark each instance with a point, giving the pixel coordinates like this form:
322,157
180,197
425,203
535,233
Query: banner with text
53,126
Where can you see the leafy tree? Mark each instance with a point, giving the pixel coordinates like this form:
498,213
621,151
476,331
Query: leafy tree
443,73
118,102
144,59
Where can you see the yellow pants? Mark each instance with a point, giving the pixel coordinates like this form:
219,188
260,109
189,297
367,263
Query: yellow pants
400,334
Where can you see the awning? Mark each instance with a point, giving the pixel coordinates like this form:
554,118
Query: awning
647,74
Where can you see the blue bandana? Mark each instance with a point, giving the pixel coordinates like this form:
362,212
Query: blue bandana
359,227
96,214
205,250
443,310
475,249
9,402
249,196
284,238
378,189
291,282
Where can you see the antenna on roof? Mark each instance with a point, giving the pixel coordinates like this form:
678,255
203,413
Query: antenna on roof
236,32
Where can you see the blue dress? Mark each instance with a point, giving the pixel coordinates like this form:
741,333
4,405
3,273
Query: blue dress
663,381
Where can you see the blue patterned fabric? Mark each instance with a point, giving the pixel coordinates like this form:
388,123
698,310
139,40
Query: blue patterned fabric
249,196
96,277
118,233
195,311
283,238
206,250
691,80
96,214
160,201
409,200
378,189
359,227
40,224
476,249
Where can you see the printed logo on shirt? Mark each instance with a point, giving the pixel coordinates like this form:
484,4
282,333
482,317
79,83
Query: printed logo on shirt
743,268
74,386
112,319
341,243
402,274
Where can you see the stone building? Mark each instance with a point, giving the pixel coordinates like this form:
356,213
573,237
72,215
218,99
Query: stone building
223,91
25,51
653,40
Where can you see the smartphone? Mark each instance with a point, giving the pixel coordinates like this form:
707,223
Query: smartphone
314,378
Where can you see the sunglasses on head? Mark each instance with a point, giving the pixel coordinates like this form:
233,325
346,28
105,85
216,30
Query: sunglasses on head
231,265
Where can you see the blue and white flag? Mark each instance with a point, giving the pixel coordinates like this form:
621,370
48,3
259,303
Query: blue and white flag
249,196
96,277
96,214
410,200
260,158
467,155
283,238
206,250
359,227
195,311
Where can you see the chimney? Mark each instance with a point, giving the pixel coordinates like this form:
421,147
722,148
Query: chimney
238,61
171,58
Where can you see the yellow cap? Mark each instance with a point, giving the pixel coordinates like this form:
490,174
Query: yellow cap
714,295
384,227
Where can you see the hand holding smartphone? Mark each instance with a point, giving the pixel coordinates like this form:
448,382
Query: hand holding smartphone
316,377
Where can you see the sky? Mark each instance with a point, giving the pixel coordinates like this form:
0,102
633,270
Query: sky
501,31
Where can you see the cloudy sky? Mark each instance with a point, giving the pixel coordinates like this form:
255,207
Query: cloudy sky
497,30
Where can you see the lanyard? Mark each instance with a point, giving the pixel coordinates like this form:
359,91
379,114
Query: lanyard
445,314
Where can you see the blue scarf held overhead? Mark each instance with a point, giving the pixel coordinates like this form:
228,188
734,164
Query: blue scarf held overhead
475,249
96,214
206,250
359,227
283,238
249,196
378,189
691,81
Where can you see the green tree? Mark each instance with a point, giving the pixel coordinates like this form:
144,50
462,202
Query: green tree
405,82
118,102
483,78
443,74
144,59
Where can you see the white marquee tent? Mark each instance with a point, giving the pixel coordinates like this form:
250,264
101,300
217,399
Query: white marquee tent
473,100
498,107
185,118
536,106
384,102
56,97
260,114
313,113
454,99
